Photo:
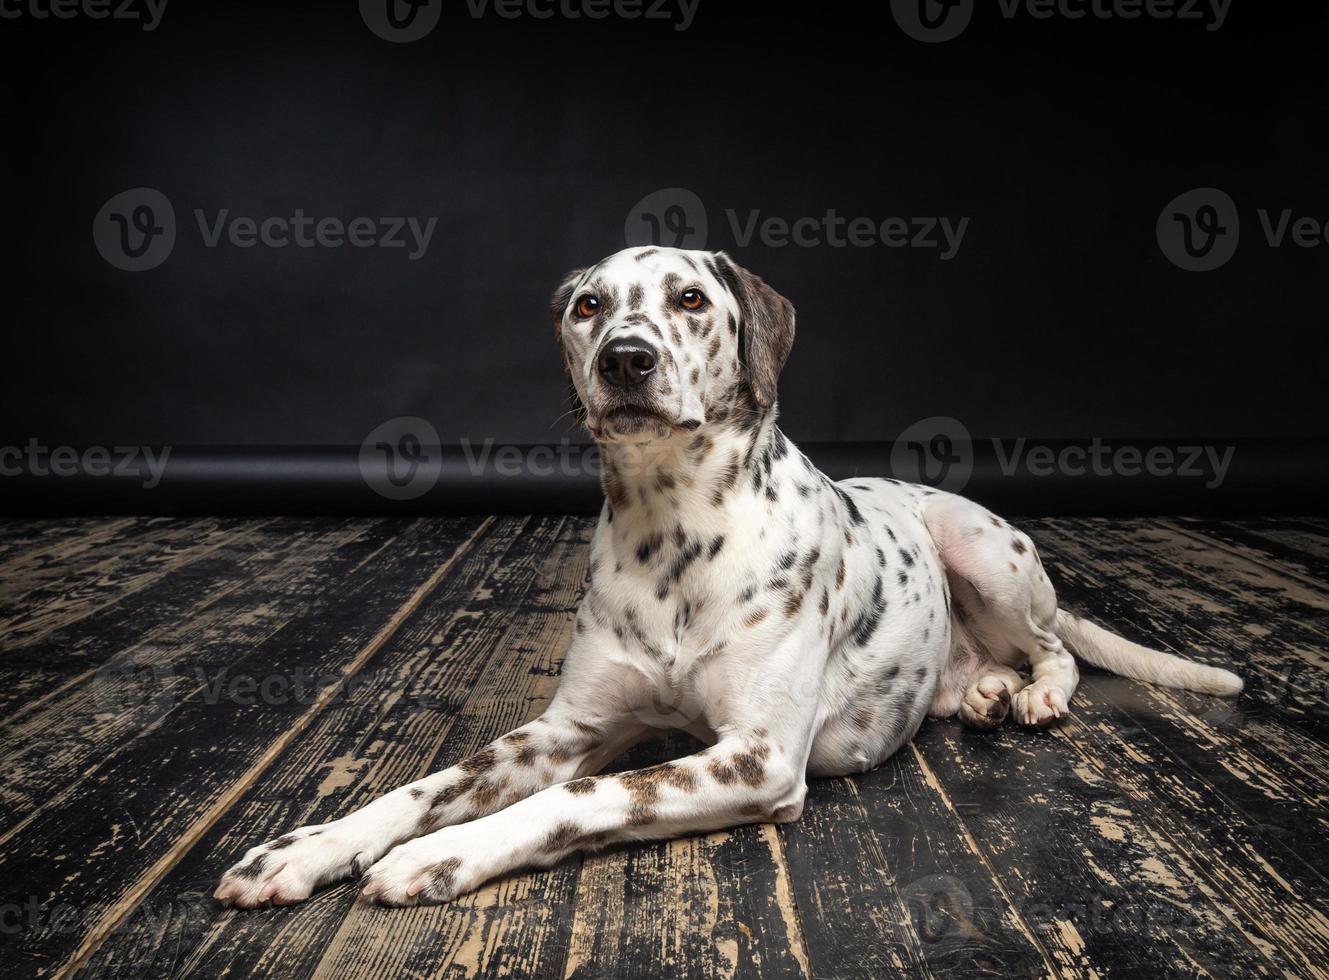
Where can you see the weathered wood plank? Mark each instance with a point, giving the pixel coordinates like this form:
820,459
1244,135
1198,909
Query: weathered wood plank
86,575
1154,830
890,882
478,657
516,926
1292,549
1272,881
1157,600
1125,902
713,905
70,731
21,537
128,818
183,602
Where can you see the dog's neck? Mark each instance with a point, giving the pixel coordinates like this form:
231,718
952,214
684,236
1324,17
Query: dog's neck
686,480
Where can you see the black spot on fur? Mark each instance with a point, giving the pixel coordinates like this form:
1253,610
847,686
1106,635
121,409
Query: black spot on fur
648,547
253,869
855,516
866,623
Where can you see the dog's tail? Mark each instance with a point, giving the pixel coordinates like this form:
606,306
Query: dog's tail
1095,645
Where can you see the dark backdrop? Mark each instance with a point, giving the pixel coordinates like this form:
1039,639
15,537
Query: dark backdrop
531,142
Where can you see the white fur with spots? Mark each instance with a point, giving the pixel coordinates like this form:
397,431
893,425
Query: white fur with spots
799,626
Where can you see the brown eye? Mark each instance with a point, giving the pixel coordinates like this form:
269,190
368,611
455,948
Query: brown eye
692,299
587,307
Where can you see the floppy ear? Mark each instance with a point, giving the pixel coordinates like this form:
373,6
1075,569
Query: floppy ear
766,327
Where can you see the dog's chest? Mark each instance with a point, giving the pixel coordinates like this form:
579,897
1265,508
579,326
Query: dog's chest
676,598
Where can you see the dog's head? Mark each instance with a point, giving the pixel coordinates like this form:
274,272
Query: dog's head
660,342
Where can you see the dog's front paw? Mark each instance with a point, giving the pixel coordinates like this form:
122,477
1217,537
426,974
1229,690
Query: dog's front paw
423,871
287,870
1040,704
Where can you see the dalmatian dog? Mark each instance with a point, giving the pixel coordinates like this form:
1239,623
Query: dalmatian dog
797,626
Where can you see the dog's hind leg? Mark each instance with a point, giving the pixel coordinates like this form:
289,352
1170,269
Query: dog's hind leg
998,582
989,696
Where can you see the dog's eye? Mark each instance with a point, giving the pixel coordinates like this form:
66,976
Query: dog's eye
692,299
587,307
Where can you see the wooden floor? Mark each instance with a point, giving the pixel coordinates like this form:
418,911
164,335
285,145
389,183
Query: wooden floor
1153,832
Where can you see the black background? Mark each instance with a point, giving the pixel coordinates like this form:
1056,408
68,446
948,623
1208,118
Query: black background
531,140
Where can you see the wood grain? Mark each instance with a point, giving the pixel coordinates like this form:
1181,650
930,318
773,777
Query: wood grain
1155,832
136,804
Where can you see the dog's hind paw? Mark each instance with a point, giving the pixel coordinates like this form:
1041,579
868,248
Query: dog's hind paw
1040,704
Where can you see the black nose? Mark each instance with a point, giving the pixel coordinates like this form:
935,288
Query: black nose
627,362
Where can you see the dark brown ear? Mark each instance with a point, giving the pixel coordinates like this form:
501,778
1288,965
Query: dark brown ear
766,327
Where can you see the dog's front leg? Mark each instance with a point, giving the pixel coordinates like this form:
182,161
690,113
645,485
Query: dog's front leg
747,776
560,745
